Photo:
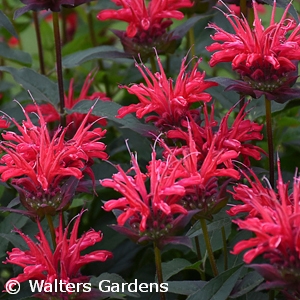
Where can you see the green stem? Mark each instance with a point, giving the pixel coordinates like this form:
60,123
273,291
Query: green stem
59,68
199,256
153,64
157,255
208,247
64,25
224,248
52,230
39,42
91,26
271,294
243,7
270,141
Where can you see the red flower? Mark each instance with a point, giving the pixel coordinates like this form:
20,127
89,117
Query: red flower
274,219
144,19
223,138
154,213
203,190
147,27
63,264
266,59
41,165
170,103
74,120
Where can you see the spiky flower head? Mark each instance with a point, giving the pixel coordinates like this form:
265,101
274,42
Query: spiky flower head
265,58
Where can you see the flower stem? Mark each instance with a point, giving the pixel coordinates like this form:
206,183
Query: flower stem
208,247
90,20
199,256
157,255
59,68
270,141
224,248
153,64
39,42
52,230
271,294
243,8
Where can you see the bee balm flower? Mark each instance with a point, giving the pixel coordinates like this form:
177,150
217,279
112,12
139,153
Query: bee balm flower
265,58
42,264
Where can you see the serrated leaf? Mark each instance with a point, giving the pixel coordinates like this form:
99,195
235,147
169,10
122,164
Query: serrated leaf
173,267
101,52
5,22
247,284
14,54
185,287
41,87
218,288
109,110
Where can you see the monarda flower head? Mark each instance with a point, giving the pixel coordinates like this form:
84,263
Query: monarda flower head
168,103
53,5
154,213
49,268
204,191
223,137
46,170
274,219
147,24
265,58
73,120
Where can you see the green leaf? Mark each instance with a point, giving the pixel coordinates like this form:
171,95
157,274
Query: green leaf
101,52
109,110
111,278
173,267
247,284
185,287
284,4
196,229
183,28
257,107
5,22
41,87
218,288
15,54
7,225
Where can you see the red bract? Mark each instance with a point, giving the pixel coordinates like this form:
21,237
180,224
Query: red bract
266,59
63,264
74,120
274,219
170,103
154,213
45,169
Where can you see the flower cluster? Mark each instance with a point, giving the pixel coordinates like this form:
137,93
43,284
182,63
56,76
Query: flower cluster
63,264
274,219
44,169
170,103
265,59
